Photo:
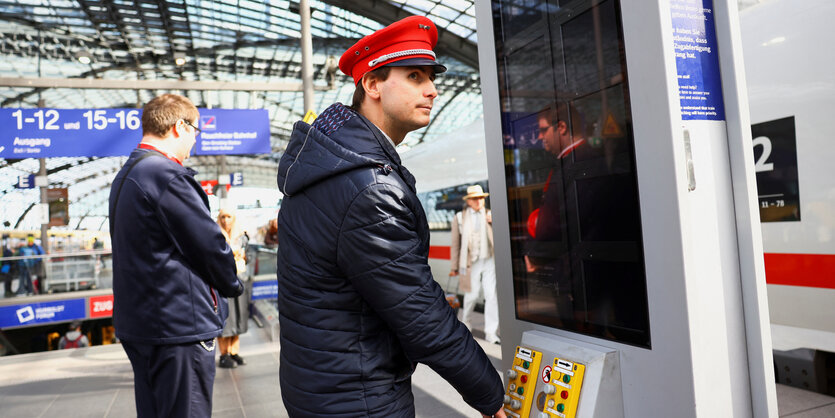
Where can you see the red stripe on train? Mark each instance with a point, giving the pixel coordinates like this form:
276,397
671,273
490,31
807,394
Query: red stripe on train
807,270
439,252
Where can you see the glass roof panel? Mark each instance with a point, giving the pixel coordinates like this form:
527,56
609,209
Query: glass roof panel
224,40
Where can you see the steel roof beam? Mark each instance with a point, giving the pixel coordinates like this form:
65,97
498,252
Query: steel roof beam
386,13
96,83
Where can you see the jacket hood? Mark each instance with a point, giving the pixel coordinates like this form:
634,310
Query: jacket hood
339,140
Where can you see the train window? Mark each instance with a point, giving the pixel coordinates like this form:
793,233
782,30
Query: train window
441,205
575,222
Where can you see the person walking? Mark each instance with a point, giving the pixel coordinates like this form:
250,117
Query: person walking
358,307
229,341
471,256
172,267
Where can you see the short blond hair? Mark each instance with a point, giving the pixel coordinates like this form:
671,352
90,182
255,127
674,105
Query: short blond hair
163,112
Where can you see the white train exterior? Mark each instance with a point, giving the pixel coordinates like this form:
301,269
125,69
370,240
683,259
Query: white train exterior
790,70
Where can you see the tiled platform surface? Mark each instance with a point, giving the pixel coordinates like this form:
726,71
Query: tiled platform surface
98,382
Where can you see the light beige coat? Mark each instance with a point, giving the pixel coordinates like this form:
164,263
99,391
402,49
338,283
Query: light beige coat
456,262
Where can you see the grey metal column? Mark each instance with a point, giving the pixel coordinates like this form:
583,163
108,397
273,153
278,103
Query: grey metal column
307,55
44,199
221,189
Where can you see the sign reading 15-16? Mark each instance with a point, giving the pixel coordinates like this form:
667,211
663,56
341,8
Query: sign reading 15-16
42,133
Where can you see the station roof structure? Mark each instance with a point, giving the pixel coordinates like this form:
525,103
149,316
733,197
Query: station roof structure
237,41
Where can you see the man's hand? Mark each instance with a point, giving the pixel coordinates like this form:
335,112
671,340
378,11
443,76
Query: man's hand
453,272
489,217
499,414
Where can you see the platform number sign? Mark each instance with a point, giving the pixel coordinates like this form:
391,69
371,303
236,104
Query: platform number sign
775,162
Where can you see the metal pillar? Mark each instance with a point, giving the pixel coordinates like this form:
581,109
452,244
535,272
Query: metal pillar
307,55
44,200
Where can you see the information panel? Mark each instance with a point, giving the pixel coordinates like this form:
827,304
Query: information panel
775,161
266,289
46,133
697,60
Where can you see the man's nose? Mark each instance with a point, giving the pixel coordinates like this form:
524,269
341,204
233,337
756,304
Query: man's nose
431,91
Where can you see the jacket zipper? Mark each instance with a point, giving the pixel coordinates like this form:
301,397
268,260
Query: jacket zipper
214,297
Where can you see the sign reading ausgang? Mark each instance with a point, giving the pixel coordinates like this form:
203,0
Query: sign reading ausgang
44,133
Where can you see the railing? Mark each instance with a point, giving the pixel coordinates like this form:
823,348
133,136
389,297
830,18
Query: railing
83,270
68,271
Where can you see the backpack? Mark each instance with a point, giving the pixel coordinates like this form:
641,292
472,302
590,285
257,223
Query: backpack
68,343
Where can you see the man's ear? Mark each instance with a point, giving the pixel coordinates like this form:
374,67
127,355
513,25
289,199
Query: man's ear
371,84
175,130
562,127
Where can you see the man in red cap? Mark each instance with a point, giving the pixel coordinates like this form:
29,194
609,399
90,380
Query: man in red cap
358,306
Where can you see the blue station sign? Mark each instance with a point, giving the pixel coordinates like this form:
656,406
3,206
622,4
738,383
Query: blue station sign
42,313
265,289
46,133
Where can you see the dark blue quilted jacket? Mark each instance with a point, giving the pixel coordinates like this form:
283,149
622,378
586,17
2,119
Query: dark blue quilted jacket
172,267
357,303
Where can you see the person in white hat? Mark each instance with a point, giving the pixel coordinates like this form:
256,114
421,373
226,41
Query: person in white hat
471,256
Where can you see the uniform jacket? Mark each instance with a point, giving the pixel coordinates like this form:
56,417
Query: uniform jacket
170,259
358,307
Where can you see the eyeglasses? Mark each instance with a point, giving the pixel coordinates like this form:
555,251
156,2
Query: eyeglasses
196,129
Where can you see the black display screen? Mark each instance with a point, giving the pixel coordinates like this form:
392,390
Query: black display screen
575,222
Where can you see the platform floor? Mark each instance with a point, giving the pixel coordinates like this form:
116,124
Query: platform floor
98,382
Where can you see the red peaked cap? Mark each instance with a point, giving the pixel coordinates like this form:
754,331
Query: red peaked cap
407,42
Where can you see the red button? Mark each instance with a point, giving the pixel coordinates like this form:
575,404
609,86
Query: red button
564,394
524,379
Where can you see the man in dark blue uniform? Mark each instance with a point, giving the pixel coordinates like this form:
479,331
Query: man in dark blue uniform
172,267
358,306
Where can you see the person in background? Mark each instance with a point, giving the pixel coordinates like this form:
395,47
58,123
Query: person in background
172,267
7,268
74,338
471,256
30,267
236,324
271,233
357,303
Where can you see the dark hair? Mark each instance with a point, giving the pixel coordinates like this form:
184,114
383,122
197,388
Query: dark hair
162,112
359,94
556,112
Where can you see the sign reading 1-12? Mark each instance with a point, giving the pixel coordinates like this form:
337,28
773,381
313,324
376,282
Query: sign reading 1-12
51,118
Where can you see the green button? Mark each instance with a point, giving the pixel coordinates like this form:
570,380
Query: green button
560,407
526,364
566,378
520,391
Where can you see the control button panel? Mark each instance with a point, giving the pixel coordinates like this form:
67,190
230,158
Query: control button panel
521,380
566,380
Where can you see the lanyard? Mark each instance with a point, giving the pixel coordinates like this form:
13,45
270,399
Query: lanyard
144,145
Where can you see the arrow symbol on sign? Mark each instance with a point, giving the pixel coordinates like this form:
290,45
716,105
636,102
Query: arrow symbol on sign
2,148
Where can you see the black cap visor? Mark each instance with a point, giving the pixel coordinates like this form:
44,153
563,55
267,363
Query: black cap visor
418,62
